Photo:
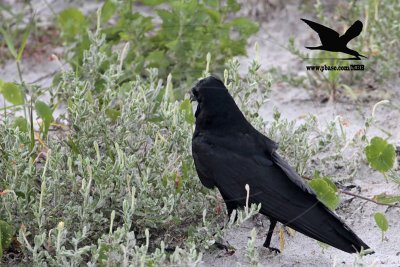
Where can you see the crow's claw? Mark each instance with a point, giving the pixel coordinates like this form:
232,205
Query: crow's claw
228,248
277,251
221,246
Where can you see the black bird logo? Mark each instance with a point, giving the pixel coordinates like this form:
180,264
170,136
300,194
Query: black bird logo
331,41
229,153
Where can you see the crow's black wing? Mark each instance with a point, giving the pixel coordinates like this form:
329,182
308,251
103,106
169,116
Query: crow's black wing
352,32
270,148
201,152
325,34
231,162
291,174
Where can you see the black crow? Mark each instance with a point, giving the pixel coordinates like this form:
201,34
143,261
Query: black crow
229,153
331,41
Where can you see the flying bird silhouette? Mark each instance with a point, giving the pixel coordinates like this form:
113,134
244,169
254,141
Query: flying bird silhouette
229,153
331,41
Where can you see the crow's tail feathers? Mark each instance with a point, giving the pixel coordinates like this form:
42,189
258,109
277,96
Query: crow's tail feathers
350,242
333,231
314,47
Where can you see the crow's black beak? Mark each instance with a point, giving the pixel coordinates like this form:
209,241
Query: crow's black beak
192,97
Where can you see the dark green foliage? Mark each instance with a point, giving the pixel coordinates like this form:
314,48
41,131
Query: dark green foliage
6,233
178,45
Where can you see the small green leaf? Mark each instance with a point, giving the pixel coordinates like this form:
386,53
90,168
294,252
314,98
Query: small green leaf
214,15
12,92
381,221
244,26
169,91
74,147
185,171
45,113
6,234
386,199
326,192
380,154
157,99
24,39
165,180
21,123
155,119
9,42
72,22
108,10
211,3
104,249
152,2
157,59
89,97
113,114
233,6
186,108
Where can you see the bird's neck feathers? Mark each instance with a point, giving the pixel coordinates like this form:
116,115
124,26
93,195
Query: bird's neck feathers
220,113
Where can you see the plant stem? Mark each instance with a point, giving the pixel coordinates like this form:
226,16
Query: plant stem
5,108
368,199
359,196
23,84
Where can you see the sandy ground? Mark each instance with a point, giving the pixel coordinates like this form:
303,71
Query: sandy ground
293,103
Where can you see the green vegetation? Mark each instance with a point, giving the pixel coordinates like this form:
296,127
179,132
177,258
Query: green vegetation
112,179
120,178
6,234
177,45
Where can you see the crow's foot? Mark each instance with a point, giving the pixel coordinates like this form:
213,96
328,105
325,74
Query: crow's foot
277,251
228,248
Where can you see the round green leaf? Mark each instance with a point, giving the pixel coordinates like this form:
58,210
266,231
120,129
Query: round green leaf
72,22
381,221
326,192
380,154
21,123
12,92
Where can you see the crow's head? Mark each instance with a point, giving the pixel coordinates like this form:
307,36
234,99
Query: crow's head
207,89
216,107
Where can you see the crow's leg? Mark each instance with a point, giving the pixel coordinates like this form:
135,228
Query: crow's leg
267,242
230,206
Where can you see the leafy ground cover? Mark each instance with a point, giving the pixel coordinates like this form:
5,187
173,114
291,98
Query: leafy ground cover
111,178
